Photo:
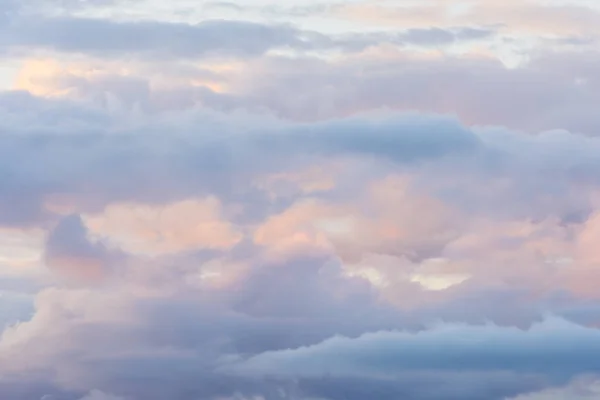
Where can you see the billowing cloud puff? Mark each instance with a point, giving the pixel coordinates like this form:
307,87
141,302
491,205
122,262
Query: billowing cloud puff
185,225
208,262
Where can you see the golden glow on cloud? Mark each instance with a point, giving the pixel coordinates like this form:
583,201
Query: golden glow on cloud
39,77
54,77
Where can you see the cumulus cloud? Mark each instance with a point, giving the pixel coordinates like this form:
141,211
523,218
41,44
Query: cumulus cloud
182,226
243,273
306,207
141,164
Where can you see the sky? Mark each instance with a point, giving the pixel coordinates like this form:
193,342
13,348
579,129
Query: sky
299,200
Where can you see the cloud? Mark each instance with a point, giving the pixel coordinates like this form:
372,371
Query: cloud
480,90
183,226
552,90
515,18
70,253
99,395
554,348
298,207
156,39
139,164
96,36
437,36
136,333
580,389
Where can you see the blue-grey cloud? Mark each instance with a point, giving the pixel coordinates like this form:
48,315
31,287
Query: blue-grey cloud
333,302
100,163
109,38
554,348
106,37
70,253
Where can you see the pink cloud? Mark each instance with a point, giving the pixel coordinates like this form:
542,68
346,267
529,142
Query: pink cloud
171,228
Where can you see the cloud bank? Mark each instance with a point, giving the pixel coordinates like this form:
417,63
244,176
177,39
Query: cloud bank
325,201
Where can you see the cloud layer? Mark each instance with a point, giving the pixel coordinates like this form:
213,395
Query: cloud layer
324,201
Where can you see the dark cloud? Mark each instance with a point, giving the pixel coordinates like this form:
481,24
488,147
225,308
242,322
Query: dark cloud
189,345
174,343
425,386
555,348
70,253
203,156
92,157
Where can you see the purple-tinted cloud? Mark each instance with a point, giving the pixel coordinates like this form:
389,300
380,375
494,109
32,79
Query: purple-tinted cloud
298,209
